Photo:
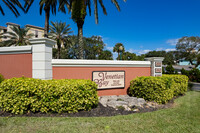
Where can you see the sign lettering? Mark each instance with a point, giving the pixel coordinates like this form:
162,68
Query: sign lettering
109,79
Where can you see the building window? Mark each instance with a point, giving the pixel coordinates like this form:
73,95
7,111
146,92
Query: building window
4,31
36,34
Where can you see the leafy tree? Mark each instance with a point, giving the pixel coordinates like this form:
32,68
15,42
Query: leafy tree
170,69
169,57
59,32
116,49
78,13
106,55
141,57
17,37
128,56
189,48
12,5
156,54
93,48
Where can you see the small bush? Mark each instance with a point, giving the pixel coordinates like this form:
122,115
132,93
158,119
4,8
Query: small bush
1,78
22,95
193,75
158,89
180,83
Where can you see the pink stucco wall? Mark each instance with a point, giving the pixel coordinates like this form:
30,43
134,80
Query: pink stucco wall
16,65
86,73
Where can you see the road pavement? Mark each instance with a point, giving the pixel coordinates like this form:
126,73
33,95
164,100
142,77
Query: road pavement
196,86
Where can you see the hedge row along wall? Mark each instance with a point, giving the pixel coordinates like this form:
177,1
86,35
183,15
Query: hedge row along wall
22,95
159,89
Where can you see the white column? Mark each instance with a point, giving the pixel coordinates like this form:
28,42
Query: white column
156,65
42,57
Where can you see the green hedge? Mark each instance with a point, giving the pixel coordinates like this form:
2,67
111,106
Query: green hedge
22,95
159,89
1,78
180,83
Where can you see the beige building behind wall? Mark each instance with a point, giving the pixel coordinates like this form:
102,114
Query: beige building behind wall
38,32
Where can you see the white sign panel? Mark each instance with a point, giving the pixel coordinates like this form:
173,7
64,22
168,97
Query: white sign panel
109,79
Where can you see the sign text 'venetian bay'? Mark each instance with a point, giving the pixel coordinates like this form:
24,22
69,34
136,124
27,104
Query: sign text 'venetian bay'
109,79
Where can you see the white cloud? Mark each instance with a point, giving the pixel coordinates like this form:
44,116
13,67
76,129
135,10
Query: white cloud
141,46
131,50
138,52
172,41
167,50
109,48
115,55
143,51
159,49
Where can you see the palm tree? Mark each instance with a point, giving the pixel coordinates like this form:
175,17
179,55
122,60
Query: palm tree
12,4
59,31
17,37
117,48
78,13
47,6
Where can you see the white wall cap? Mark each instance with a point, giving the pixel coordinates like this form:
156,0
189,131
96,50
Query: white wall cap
15,50
99,63
154,58
48,41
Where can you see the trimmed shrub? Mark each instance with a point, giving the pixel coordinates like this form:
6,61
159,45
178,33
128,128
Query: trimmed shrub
1,78
180,83
158,89
22,95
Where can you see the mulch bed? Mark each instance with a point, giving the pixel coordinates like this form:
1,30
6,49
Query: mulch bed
99,111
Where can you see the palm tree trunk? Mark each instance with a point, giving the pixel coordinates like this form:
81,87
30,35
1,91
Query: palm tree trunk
80,40
46,28
59,47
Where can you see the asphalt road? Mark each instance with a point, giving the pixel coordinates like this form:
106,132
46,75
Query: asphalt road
196,86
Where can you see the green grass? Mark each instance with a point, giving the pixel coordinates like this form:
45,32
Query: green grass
184,117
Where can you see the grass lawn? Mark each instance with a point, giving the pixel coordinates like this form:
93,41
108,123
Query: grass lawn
184,117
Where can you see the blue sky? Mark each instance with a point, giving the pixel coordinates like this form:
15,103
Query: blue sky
142,25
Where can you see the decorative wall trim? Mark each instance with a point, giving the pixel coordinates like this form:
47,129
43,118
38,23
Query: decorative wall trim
46,41
98,63
16,50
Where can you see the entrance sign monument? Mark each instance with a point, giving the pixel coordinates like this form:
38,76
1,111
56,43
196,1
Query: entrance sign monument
109,79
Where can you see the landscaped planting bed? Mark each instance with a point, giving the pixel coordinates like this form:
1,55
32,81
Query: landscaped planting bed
34,97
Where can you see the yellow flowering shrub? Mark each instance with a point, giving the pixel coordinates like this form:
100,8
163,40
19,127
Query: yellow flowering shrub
22,95
159,89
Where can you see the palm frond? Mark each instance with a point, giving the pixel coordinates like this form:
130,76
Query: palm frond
27,5
103,7
2,12
116,4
